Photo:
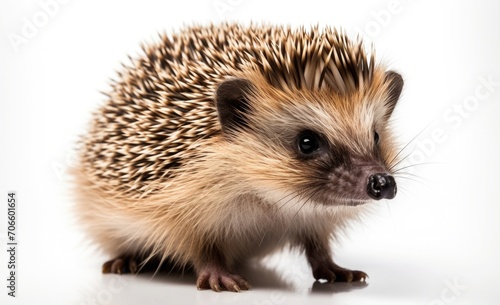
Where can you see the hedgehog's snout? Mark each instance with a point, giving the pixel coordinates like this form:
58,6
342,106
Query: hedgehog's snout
381,186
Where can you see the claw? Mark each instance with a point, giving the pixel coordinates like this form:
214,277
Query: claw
120,265
218,280
359,276
331,272
236,288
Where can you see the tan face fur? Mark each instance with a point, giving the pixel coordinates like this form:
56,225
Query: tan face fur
351,131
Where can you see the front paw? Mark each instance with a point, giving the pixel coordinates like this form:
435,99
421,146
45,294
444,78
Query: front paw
120,264
218,279
332,272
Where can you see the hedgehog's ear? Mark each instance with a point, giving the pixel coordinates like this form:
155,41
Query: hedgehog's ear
232,103
395,82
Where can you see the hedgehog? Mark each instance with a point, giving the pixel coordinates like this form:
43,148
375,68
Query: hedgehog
224,142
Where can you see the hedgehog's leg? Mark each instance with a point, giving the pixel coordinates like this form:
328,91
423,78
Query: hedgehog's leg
320,258
212,273
121,264
218,278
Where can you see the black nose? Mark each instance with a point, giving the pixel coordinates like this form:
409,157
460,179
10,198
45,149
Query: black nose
381,186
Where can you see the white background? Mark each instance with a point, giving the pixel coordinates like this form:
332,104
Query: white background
442,230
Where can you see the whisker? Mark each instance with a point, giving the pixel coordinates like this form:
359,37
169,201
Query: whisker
413,139
410,178
410,174
296,195
401,160
390,212
296,213
416,164
407,174
407,191
317,180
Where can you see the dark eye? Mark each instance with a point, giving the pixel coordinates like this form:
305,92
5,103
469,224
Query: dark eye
376,138
308,142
